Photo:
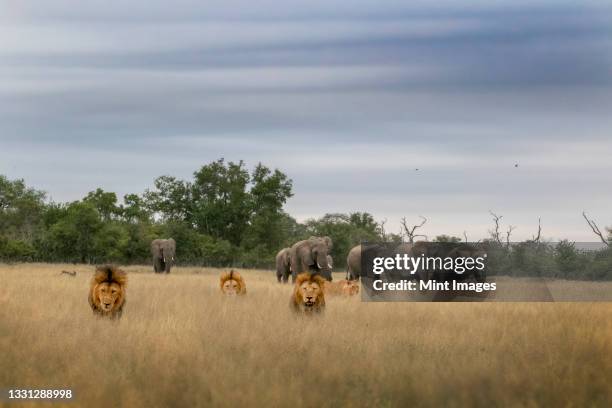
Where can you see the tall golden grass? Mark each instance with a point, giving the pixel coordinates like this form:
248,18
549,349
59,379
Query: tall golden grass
180,343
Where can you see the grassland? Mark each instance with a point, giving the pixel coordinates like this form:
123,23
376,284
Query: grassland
180,343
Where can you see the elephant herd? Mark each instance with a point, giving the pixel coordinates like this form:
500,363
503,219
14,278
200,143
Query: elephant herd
309,255
313,255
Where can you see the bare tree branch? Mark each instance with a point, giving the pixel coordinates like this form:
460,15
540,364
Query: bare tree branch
410,231
508,233
536,238
595,229
383,233
495,232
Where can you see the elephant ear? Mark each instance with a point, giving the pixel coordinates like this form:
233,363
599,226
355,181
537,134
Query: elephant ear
307,254
155,247
172,244
287,257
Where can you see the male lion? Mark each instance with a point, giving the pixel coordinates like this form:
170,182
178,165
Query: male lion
344,287
232,284
107,291
308,296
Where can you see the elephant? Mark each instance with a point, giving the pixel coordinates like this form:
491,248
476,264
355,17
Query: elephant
353,259
353,263
283,265
310,255
163,251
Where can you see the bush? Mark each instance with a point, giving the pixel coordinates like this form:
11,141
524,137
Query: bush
16,250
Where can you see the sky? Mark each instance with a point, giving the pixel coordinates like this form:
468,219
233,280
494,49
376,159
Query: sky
348,98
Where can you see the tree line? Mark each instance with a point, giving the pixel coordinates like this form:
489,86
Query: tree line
226,215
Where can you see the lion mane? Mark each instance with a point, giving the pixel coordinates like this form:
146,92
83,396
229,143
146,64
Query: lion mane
108,285
297,303
235,276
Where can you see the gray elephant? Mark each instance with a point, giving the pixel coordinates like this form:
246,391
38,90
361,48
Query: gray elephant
310,255
353,263
353,259
283,265
163,251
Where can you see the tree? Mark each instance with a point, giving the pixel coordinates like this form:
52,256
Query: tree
221,202
495,232
268,194
73,237
104,202
410,231
596,229
171,199
134,209
567,258
21,209
109,243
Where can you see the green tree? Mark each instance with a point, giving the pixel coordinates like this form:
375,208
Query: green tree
566,258
16,250
269,193
134,209
171,199
222,204
74,236
110,243
104,202
21,209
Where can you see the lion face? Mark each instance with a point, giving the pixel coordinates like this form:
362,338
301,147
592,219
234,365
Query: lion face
308,295
342,288
230,287
107,295
350,288
232,284
309,292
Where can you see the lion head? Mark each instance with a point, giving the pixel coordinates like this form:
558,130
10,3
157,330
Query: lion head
107,291
350,288
344,287
232,283
308,293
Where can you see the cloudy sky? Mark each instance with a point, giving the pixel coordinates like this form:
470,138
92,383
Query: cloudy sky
347,97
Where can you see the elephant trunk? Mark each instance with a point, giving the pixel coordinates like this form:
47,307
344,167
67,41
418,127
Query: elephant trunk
322,261
323,266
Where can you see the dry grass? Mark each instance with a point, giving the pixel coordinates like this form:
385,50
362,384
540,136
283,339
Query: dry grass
181,344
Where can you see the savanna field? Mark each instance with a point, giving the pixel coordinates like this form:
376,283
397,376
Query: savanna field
181,343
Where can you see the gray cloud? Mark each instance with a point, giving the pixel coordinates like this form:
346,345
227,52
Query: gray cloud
348,98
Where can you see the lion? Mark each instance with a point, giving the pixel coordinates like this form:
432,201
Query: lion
344,287
308,295
107,291
232,283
